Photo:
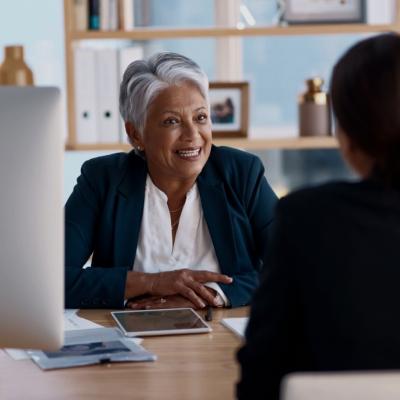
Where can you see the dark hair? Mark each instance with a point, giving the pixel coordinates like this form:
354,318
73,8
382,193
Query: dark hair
365,90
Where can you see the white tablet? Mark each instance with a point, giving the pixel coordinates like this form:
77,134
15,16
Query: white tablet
173,321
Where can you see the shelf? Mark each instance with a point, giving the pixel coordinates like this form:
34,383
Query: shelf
284,144
248,144
217,32
165,33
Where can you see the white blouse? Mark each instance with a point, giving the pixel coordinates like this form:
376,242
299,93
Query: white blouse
192,248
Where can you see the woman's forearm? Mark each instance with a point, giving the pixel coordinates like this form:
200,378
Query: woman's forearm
185,282
137,284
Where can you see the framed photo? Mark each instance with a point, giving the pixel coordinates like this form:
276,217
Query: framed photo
324,11
229,103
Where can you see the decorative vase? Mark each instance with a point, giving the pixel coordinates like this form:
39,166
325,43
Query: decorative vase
14,70
314,110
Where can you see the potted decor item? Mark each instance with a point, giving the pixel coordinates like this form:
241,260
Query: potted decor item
314,110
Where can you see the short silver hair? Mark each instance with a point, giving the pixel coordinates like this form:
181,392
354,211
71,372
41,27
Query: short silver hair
143,80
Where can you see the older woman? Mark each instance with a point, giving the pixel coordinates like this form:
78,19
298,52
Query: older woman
176,222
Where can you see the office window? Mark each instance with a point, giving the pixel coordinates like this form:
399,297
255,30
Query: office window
174,13
277,68
201,50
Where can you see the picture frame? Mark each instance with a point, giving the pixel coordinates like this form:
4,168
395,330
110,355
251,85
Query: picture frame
229,107
324,11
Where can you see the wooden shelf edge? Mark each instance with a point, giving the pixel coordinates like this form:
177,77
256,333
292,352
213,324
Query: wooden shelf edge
163,33
242,143
297,143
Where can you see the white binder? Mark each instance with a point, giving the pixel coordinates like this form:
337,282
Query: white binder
108,93
126,56
85,95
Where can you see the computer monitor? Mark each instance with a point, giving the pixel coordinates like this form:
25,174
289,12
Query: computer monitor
31,218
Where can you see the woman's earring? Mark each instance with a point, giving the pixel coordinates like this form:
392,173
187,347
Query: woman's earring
139,148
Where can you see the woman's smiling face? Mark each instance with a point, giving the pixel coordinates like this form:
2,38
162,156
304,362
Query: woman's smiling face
177,135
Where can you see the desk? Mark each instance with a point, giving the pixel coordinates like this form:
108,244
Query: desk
200,366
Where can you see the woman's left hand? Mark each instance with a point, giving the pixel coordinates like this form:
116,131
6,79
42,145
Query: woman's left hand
154,302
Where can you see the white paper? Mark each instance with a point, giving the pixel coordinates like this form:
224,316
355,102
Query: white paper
236,325
71,322
17,354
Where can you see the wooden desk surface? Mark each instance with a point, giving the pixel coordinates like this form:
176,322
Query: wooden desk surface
201,366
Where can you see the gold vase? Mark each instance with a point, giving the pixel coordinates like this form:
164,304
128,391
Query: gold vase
314,110
14,70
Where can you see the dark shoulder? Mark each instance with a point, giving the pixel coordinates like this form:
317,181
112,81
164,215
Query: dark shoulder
112,165
108,162
328,201
106,172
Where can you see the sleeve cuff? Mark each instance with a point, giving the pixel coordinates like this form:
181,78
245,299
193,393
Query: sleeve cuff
213,285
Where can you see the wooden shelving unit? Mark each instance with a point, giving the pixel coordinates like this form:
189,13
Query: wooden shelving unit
287,144
159,33
72,36
301,143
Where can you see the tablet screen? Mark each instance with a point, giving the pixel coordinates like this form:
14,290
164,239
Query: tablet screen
159,320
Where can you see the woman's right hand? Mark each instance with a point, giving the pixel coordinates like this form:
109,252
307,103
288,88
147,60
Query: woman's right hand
187,283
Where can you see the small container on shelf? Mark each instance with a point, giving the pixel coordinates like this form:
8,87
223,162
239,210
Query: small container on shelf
314,110
14,70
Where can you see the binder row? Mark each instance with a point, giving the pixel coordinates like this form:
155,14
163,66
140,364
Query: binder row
98,73
105,15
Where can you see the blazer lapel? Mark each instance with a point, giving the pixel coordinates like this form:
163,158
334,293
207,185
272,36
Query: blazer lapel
129,211
216,213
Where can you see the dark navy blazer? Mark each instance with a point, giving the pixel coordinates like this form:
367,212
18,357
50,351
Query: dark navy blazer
330,298
104,212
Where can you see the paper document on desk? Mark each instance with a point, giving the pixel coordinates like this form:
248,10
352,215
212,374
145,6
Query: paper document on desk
91,346
236,325
71,322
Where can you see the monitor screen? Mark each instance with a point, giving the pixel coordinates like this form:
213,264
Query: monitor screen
31,218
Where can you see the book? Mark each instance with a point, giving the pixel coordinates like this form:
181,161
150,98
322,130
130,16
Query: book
104,15
114,15
94,14
81,15
126,15
91,346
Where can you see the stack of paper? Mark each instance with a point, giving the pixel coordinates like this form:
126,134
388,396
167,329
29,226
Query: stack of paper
91,346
